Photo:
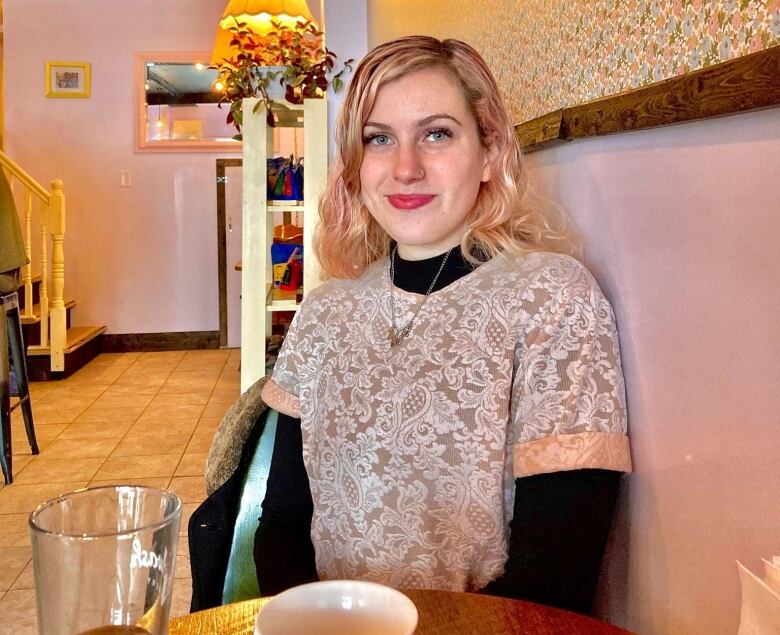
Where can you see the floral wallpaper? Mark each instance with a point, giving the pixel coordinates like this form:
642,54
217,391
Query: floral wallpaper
548,54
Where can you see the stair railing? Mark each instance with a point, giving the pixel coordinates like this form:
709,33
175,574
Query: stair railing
51,209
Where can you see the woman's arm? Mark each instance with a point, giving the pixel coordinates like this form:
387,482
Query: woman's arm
283,551
558,534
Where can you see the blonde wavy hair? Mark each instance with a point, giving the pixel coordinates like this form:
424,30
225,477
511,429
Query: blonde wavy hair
506,218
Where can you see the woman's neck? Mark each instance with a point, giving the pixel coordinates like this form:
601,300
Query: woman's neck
416,276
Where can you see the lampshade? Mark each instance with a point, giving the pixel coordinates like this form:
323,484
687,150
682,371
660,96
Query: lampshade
257,14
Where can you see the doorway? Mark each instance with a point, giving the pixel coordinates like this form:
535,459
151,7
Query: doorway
229,217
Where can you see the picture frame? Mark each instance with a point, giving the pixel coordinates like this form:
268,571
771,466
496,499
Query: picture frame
68,79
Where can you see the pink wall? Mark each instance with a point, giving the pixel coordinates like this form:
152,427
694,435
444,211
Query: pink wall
139,259
682,227
346,24
144,258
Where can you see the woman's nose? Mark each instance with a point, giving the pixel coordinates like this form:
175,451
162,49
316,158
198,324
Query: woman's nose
408,166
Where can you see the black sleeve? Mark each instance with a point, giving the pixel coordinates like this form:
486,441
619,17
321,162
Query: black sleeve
283,551
558,534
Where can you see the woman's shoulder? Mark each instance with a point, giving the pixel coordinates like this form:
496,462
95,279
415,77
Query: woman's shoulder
540,260
545,267
341,287
541,274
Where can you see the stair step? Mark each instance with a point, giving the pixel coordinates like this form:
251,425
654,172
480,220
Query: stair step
36,317
36,290
33,280
77,336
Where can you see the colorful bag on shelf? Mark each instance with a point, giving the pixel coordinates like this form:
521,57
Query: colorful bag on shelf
298,175
286,186
273,169
287,262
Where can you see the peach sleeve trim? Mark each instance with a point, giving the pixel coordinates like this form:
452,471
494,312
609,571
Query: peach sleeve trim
558,453
280,400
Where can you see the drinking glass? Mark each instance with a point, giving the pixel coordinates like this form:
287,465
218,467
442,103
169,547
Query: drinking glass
104,560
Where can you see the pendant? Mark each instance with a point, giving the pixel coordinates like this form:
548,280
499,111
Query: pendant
394,337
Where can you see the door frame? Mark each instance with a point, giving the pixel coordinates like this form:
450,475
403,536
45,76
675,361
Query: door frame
222,244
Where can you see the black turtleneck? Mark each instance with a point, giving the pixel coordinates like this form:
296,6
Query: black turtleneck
557,536
416,276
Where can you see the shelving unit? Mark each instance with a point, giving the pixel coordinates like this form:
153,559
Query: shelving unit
258,221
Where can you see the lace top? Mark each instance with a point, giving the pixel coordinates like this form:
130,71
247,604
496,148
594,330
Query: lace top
412,451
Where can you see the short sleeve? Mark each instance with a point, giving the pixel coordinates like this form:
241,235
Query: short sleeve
281,391
568,393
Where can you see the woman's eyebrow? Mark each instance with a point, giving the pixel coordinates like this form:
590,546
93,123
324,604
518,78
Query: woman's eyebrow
428,120
422,122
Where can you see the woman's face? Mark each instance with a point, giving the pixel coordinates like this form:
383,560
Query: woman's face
423,162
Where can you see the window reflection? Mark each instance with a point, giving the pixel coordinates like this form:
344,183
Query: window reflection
178,106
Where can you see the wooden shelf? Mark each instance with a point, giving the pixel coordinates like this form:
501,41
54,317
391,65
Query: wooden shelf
258,224
280,300
284,206
750,82
287,115
282,305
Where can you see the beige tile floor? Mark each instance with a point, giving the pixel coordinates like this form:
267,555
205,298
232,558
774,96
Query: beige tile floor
139,418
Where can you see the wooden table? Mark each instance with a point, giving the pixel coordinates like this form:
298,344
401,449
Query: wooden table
441,613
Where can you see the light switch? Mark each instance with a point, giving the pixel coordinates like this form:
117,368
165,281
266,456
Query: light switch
124,178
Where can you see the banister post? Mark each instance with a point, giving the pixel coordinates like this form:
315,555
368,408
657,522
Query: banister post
58,332
27,269
43,287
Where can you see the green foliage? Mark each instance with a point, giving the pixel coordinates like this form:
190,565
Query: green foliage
308,68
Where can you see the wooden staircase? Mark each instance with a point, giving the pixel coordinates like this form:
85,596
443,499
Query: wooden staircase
83,343
54,348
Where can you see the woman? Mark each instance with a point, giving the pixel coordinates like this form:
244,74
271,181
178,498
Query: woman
454,386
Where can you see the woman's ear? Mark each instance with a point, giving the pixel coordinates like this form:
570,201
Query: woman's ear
491,155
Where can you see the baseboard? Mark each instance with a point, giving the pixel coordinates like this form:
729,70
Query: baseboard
39,366
146,342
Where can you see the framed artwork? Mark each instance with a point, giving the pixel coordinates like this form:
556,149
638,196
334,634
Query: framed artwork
67,79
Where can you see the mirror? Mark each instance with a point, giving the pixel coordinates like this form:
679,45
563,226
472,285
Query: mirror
176,106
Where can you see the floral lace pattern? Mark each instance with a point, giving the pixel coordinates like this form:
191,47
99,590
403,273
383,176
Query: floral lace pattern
412,451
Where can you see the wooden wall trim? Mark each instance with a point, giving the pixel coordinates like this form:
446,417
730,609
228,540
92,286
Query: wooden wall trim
174,341
750,82
541,132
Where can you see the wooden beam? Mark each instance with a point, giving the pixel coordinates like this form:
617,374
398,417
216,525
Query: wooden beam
181,99
750,82
542,131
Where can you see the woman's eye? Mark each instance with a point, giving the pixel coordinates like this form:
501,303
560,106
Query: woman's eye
378,139
438,135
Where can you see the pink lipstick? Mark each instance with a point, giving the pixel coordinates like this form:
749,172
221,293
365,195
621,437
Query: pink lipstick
409,201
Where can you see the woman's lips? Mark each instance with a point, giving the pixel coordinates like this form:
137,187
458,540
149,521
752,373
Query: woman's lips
409,201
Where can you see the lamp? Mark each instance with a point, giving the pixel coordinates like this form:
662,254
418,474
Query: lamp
257,14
